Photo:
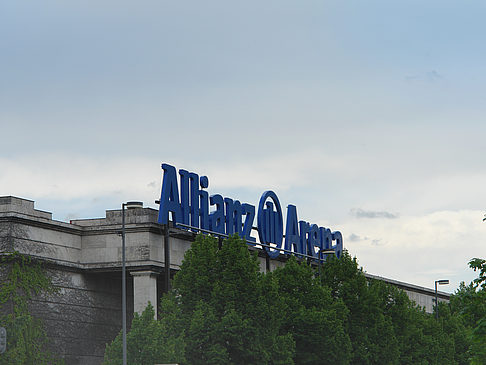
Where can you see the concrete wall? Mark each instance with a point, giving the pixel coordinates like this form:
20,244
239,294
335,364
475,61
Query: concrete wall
85,312
84,315
423,297
426,301
81,317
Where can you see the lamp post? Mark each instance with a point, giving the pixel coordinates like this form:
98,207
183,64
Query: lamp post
127,205
440,282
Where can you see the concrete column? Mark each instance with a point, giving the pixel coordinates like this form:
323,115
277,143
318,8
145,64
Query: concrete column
144,290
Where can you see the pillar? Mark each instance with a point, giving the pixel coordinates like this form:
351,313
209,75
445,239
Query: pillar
144,290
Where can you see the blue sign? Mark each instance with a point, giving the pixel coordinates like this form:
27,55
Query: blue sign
186,201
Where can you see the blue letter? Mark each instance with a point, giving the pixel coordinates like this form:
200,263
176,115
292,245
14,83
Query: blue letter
304,231
194,200
204,203
292,230
184,196
233,216
270,223
325,238
313,241
189,198
325,241
169,197
338,249
216,218
249,211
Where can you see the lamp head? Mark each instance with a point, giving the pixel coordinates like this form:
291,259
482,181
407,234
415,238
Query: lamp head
133,205
442,282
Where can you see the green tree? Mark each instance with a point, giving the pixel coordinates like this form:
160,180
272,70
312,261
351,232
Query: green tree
231,310
223,310
480,266
478,348
386,327
454,326
315,319
470,303
371,332
420,338
26,338
148,342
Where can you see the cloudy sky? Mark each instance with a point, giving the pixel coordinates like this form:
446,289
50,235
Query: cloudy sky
369,116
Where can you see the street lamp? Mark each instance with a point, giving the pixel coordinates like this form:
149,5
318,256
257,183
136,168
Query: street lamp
440,282
127,205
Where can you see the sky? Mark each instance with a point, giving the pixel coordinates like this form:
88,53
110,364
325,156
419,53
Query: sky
366,115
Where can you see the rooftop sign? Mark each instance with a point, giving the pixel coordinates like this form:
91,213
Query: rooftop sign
191,205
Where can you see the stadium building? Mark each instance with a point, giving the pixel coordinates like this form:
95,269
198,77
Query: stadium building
84,260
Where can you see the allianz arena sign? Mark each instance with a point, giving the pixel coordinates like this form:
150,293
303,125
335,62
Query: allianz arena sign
184,197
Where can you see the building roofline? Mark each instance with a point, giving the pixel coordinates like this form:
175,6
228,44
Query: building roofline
408,286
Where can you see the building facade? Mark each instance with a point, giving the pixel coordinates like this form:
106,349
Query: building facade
84,260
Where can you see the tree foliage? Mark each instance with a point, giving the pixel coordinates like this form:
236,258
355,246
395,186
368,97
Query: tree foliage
227,305
469,302
26,338
148,341
313,317
224,310
480,266
370,330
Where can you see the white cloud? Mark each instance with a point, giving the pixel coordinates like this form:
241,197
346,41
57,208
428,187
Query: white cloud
419,249
72,177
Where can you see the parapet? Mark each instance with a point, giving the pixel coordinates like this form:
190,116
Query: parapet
113,217
12,204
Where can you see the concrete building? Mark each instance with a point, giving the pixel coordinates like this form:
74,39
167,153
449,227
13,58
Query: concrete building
83,258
